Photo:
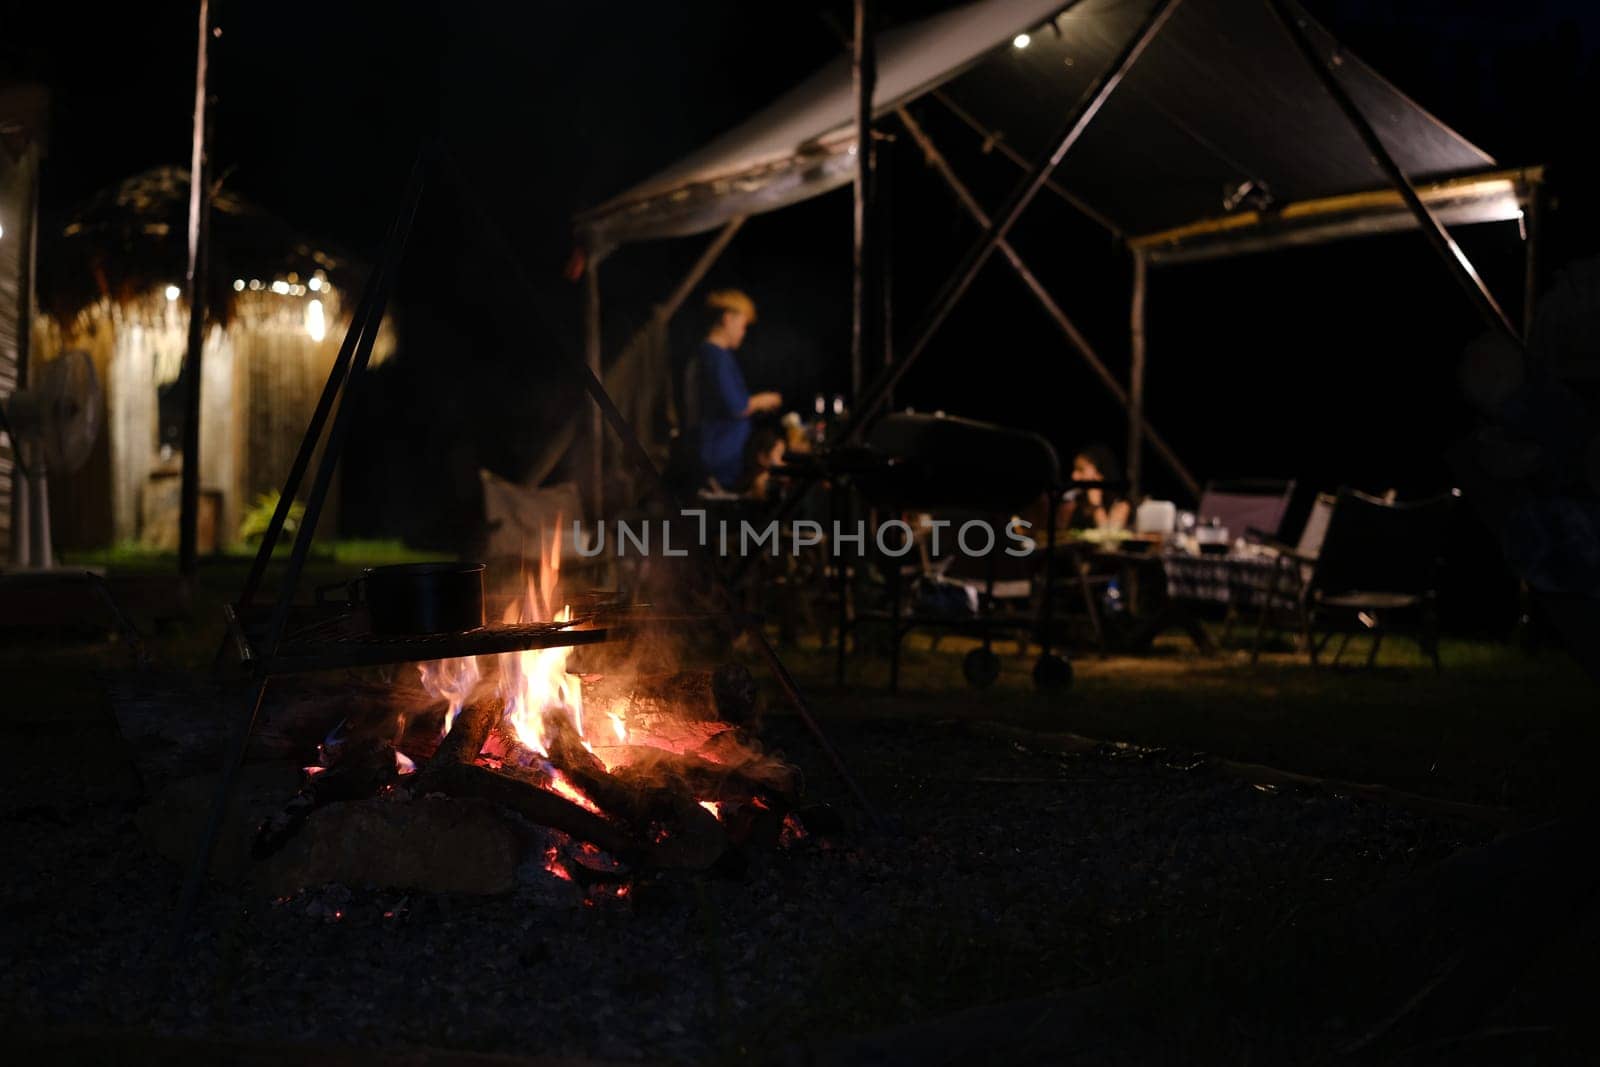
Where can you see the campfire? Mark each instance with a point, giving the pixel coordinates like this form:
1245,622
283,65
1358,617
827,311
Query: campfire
622,769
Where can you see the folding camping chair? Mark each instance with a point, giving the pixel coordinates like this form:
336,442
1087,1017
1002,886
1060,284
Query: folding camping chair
1371,561
1283,604
1247,507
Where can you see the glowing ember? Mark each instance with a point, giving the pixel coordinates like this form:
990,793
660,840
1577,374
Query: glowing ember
791,831
553,864
713,807
403,764
561,787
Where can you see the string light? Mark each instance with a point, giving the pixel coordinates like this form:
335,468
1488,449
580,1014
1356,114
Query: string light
173,292
316,323
1021,40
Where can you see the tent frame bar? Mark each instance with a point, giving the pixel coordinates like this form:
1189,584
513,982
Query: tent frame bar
1073,335
1033,180
1330,218
993,140
864,249
1137,427
660,315
1460,267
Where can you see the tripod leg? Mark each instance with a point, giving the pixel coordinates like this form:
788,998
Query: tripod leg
232,761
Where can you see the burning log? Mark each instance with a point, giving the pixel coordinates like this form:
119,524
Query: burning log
357,769
466,738
527,798
684,833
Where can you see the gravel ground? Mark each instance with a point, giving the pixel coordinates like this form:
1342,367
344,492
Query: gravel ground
1007,872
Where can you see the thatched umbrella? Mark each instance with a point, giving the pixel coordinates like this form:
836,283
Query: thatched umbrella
112,284
128,241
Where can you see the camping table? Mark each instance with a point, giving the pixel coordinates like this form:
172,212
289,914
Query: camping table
1240,580
1152,611
1155,615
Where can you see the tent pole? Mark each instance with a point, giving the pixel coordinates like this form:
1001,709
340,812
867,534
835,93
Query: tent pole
199,219
660,315
1073,335
883,183
591,353
1532,219
1136,348
1460,267
864,66
1078,120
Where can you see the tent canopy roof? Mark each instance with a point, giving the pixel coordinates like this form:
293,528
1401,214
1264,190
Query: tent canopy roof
1218,124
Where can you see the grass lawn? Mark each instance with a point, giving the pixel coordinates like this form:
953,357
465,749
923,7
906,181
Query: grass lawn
1491,727
1495,726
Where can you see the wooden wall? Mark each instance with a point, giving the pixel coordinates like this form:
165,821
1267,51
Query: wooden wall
263,374
80,502
279,375
16,181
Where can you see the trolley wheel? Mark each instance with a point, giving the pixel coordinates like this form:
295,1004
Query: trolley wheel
1052,673
980,667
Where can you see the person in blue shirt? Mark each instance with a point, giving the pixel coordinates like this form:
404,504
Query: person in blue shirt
718,403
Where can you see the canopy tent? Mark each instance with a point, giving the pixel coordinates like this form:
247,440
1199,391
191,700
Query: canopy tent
1221,137
1219,108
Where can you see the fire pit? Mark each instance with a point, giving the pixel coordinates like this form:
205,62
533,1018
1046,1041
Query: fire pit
622,770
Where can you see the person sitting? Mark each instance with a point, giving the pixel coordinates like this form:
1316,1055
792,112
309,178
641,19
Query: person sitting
718,404
1095,507
764,453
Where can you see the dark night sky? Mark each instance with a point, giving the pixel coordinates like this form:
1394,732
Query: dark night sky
1340,357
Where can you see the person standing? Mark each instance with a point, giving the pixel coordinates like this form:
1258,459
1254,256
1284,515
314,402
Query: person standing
718,404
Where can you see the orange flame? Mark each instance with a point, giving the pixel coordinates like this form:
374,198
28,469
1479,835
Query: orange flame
536,681
452,680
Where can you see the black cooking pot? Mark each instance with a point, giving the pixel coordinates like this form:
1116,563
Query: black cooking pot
422,598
